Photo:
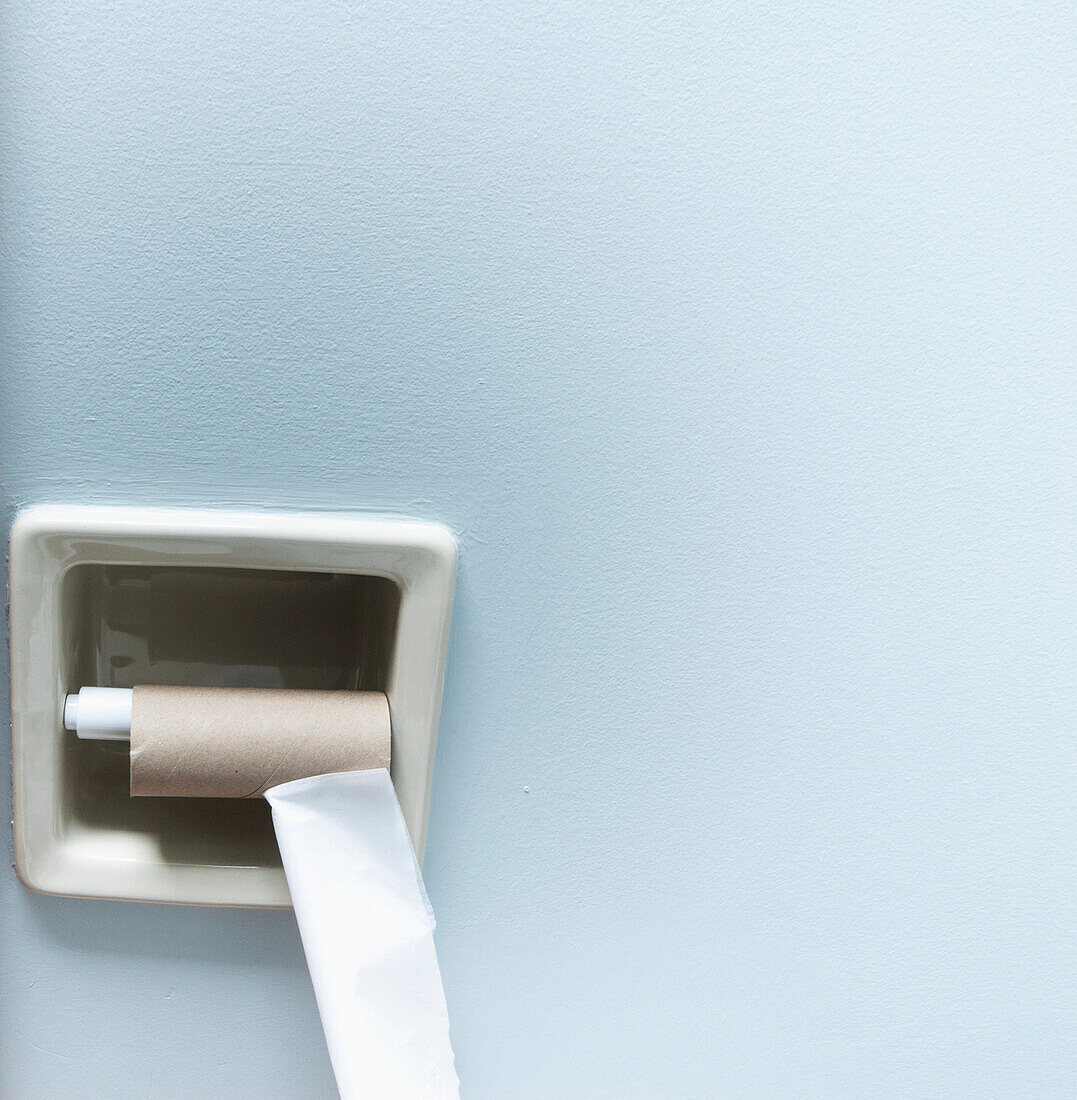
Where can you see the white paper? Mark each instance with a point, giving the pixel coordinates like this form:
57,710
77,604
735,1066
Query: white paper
367,930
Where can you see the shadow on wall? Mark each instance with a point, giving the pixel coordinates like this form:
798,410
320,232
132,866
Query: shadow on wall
177,933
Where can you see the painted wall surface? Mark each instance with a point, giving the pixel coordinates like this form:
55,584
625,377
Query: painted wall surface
736,344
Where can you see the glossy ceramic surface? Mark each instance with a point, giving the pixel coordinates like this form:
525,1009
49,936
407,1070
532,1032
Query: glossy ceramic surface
118,597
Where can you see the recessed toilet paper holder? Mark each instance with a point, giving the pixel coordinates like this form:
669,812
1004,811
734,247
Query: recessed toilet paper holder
103,599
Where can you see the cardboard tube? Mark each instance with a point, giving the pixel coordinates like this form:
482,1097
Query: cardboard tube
237,742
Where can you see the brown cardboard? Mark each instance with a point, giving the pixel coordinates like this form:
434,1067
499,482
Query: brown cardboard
237,742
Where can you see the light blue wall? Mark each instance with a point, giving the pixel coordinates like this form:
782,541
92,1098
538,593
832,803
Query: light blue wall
736,343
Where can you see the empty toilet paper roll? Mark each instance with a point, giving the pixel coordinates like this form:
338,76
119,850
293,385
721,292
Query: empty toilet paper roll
237,742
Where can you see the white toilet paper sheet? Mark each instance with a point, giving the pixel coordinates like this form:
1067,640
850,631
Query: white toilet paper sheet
367,930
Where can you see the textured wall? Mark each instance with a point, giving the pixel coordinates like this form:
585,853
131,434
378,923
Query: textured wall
735,342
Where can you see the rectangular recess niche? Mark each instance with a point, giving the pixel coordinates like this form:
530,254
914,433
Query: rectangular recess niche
210,627
111,596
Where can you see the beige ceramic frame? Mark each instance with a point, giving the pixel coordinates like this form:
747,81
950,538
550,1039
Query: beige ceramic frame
57,855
